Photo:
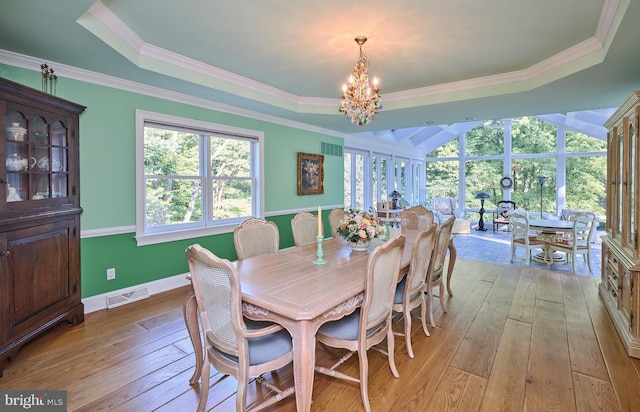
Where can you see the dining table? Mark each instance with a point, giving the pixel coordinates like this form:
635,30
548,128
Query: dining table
549,229
288,288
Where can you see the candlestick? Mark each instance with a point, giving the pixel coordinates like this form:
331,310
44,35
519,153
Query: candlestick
319,222
387,211
320,260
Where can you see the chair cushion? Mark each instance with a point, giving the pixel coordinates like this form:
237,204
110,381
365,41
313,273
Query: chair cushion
400,292
266,348
345,328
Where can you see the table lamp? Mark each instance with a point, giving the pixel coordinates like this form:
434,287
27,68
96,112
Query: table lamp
482,196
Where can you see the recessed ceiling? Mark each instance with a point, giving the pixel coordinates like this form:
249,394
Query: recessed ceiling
440,63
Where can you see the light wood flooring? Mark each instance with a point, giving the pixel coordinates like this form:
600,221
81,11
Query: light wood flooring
514,338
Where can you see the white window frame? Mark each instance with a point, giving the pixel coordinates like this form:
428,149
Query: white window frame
210,227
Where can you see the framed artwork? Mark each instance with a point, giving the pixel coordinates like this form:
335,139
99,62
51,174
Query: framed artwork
310,174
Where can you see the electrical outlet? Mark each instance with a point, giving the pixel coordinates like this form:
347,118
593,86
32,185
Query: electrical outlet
111,273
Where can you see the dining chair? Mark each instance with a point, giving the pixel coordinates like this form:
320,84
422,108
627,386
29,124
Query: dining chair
521,236
416,218
504,209
304,226
371,323
435,273
234,345
336,216
410,290
254,237
577,240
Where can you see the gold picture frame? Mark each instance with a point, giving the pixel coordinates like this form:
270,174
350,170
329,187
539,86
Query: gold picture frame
310,174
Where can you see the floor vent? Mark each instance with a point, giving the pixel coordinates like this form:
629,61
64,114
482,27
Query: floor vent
127,297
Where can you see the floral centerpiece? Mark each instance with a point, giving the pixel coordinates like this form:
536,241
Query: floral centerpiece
359,228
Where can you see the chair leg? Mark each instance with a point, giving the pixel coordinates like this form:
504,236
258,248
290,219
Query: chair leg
407,332
429,293
391,350
423,315
364,377
441,290
204,384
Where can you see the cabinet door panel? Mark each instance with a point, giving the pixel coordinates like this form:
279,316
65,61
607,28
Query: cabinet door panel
39,264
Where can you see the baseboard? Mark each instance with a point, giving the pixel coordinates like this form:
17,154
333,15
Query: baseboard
99,302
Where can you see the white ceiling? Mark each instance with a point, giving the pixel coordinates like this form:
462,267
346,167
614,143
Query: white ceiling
441,63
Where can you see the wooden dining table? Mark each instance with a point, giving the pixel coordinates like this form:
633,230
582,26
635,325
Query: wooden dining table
288,288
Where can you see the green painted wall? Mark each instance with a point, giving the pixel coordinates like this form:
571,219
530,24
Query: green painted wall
107,180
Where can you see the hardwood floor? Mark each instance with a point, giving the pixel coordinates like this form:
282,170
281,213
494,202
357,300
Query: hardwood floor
514,338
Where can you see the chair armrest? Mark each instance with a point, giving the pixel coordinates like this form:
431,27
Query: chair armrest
258,333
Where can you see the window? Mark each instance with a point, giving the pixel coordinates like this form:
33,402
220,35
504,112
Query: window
354,179
194,178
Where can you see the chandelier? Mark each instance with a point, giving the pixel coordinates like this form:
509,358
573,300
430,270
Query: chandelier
360,102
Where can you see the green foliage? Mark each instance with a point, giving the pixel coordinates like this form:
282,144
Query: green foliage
534,138
175,176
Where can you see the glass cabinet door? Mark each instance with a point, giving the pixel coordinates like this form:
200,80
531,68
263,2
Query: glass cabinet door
620,183
37,156
610,222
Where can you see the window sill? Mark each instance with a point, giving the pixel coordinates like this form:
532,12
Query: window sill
155,238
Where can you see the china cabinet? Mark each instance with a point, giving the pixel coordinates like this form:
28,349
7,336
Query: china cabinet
620,251
39,215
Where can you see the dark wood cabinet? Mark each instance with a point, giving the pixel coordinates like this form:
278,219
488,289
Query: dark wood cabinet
39,215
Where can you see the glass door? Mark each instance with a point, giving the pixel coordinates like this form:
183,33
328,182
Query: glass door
36,156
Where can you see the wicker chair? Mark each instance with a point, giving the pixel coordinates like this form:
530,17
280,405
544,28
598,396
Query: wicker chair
234,345
416,218
435,273
371,323
255,237
409,292
304,226
336,217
